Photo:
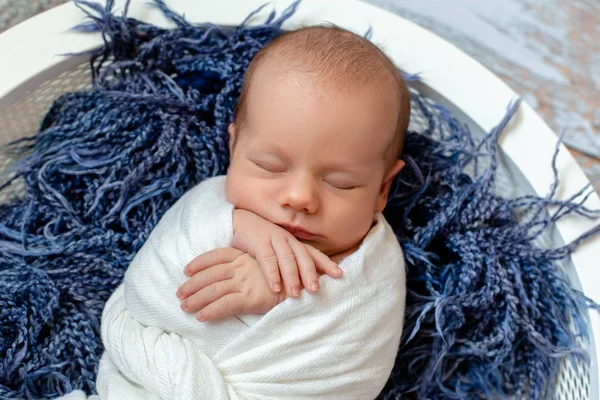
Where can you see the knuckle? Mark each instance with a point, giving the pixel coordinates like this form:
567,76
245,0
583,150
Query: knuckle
288,256
291,279
213,291
214,257
274,276
226,305
208,275
270,259
308,277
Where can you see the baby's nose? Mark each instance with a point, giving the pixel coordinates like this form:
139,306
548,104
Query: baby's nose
300,195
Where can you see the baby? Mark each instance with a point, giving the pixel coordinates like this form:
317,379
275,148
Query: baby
315,146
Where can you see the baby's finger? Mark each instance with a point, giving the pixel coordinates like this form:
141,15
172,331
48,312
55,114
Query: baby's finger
225,306
324,263
209,294
267,259
306,265
287,265
210,258
204,278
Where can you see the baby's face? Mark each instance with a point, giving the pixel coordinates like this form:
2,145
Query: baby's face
312,160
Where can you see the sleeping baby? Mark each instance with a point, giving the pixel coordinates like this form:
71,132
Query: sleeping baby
314,145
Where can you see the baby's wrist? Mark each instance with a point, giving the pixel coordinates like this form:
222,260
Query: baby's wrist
234,219
241,218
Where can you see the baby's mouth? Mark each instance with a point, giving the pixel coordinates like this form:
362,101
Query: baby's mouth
298,232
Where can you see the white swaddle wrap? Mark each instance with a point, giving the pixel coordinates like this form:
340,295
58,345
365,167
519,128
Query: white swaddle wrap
339,343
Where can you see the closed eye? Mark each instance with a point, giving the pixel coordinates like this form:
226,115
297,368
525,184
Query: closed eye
341,185
268,167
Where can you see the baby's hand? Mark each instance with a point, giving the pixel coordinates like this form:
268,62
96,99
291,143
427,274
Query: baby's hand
278,251
225,282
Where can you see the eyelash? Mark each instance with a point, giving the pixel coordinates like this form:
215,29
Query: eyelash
342,187
274,170
267,168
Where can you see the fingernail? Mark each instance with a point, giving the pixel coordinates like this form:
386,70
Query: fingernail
295,291
200,317
178,293
276,287
184,305
314,286
186,270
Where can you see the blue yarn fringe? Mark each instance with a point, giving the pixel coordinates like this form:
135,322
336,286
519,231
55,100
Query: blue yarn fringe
488,313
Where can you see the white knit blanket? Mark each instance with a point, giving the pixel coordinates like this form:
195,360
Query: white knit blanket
339,343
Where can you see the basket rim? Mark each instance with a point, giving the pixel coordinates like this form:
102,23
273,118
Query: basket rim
38,49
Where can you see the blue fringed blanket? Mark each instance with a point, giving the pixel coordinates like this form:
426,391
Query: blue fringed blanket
488,313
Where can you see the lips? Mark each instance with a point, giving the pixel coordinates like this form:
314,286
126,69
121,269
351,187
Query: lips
298,232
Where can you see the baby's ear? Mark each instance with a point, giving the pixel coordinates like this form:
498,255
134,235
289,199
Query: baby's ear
384,191
232,132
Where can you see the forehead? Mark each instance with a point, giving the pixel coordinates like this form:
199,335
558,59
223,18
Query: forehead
302,108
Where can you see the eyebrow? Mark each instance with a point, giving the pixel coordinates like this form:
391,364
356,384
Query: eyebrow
269,148
350,169
276,150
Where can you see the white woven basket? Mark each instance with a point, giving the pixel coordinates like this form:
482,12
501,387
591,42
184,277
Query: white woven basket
33,74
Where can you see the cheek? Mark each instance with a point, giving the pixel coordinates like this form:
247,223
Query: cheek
235,190
245,191
357,221
235,185
236,182
350,221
